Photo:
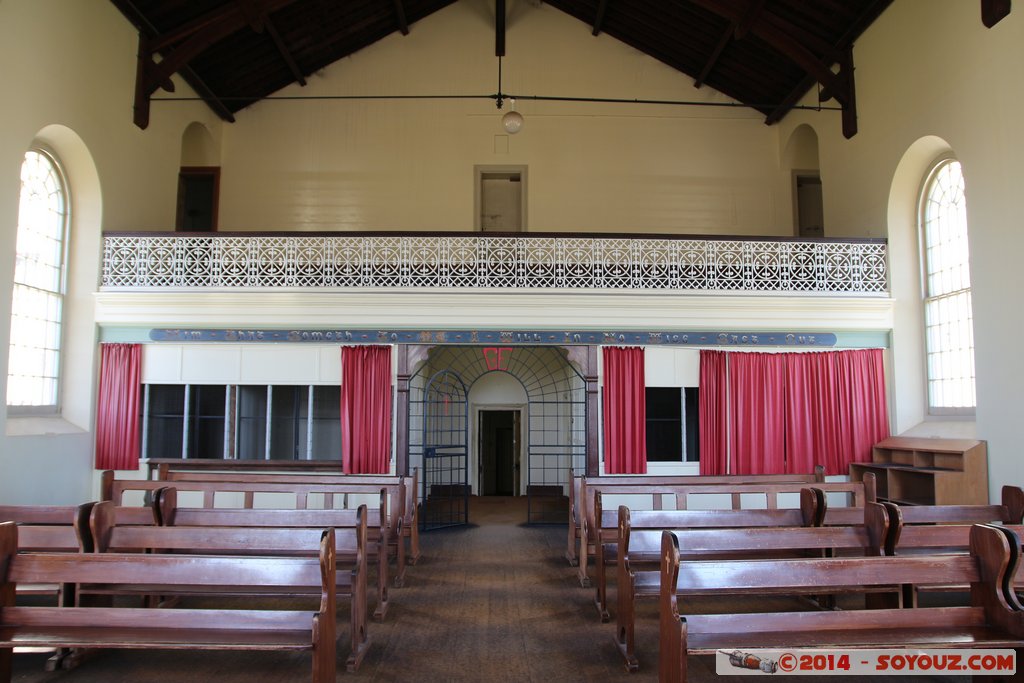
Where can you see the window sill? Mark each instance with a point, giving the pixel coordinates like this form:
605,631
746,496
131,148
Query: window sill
40,425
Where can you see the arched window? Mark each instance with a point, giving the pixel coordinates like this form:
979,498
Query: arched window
949,329
38,303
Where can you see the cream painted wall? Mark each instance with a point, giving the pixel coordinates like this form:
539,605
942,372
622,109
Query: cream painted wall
69,76
932,70
927,68
378,165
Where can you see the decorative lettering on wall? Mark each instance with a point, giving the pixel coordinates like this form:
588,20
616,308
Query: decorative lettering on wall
507,338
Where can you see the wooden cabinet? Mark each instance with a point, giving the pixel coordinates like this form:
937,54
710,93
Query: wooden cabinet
922,471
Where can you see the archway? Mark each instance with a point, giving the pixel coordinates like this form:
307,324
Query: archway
553,426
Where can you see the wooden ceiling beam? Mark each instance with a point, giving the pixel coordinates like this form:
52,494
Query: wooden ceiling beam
191,40
736,29
994,11
146,28
602,7
285,53
836,85
403,24
499,28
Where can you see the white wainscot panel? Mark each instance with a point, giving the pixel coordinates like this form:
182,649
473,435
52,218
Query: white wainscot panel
279,364
329,364
210,364
671,367
161,364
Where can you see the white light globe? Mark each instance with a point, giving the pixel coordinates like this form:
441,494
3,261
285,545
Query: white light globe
512,121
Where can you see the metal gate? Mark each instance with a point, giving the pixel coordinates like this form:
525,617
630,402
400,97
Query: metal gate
445,420
554,427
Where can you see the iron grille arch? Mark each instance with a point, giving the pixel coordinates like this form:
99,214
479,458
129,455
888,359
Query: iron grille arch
555,421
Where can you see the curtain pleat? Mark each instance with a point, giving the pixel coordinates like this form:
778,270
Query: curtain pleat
366,409
757,425
625,411
117,407
713,411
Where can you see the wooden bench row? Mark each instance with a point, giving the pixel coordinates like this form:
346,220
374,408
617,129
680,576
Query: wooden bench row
993,620
640,545
168,514
578,505
597,531
251,628
350,550
214,490
408,511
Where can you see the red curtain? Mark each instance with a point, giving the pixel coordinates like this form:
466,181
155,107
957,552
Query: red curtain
713,411
625,411
117,407
862,382
813,423
366,409
788,412
757,413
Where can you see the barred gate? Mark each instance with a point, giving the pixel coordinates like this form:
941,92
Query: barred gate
445,452
553,438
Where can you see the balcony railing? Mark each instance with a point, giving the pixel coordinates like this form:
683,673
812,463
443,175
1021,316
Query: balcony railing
158,261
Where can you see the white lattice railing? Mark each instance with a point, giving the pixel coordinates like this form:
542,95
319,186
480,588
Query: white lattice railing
246,260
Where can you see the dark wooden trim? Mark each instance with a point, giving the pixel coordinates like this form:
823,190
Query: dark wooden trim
498,235
593,409
994,11
602,8
403,23
499,28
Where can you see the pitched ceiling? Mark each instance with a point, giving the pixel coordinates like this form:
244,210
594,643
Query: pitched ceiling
765,54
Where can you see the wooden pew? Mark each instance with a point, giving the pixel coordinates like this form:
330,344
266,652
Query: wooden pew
409,510
640,555
177,629
298,492
686,495
169,514
944,529
609,536
990,622
350,550
577,504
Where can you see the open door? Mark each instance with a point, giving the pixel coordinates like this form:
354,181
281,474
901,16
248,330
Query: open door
498,448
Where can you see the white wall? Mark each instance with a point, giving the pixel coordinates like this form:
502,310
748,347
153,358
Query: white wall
931,75
68,80
926,69
379,165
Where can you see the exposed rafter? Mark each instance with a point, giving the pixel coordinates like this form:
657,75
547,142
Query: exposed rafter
835,85
499,28
602,7
286,54
736,29
188,41
994,11
403,23
764,55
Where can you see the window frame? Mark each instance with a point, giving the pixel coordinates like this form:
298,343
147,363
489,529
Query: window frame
54,409
927,297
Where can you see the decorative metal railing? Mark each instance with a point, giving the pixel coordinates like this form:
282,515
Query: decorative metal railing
461,261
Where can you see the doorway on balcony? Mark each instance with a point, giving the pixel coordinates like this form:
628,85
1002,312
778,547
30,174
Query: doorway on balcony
500,198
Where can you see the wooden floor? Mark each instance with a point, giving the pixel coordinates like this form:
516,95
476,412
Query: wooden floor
493,601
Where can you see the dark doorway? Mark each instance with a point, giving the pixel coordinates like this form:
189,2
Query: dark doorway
499,456
198,195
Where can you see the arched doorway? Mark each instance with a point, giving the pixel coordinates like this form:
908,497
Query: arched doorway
447,439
